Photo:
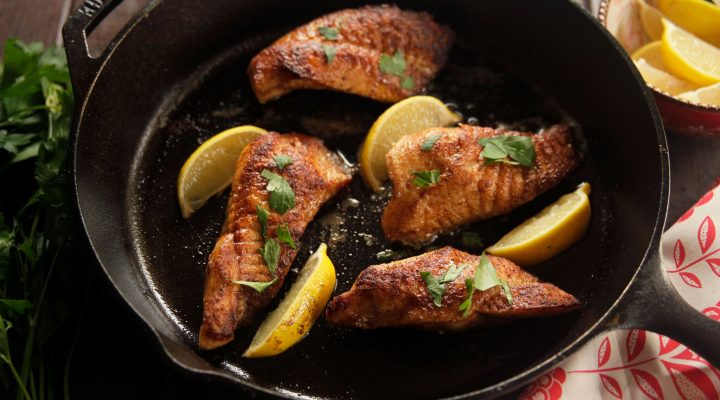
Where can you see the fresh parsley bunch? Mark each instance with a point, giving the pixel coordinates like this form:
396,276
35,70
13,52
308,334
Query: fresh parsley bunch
36,221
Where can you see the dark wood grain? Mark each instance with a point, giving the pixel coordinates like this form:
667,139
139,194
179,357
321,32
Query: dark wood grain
33,20
42,20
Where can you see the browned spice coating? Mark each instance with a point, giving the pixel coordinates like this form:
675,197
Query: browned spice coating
395,295
298,61
468,190
315,176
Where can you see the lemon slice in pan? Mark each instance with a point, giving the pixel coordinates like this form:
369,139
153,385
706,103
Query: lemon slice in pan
403,118
548,233
210,168
292,319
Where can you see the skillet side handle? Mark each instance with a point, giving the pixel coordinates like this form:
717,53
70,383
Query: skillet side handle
84,67
652,303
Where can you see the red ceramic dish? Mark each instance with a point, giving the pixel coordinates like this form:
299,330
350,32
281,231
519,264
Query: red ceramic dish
622,19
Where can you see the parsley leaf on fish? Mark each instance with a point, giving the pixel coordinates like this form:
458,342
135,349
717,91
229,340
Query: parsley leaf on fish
426,178
328,32
508,292
465,305
485,278
282,197
271,254
393,65
452,273
282,160
436,284
283,234
407,83
434,287
428,144
519,149
330,52
485,275
262,215
258,286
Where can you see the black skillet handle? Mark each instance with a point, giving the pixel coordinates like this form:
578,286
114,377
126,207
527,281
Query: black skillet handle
652,303
84,67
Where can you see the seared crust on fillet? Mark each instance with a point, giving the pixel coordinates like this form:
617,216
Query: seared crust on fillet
395,295
468,190
315,176
298,61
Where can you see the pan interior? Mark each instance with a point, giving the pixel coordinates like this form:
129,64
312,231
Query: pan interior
488,83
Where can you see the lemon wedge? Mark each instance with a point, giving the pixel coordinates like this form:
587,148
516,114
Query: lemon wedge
651,20
689,57
292,319
698,17
405,117
210,168
649,62
652,53
548,233
706,95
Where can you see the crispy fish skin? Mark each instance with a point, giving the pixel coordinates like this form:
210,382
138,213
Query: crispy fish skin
315,176
468,190
298,61
395,295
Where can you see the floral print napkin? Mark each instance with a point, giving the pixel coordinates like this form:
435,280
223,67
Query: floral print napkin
637,364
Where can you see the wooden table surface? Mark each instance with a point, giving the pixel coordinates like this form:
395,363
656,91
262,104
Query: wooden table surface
118,358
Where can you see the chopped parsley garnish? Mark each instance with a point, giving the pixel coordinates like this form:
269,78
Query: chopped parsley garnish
282,197
453,272
283,235
407,83
282,160
471,239
426,178
330,52
328,32
434,287
507,291
485,275
271,254
485,278
465,305
258,286
393,65
428,144
262,215
519,149
436,284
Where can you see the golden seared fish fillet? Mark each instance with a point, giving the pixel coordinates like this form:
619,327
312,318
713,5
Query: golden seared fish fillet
468,190
342,51
315,176
396,295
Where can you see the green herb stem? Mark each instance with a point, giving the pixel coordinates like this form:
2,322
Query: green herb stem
20,382
27,354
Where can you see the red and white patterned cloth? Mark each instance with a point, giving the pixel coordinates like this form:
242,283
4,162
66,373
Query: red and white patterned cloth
636,364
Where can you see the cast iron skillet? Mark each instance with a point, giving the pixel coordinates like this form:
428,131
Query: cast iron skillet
176,75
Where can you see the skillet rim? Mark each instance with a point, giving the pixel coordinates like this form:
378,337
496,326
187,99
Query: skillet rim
497,389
